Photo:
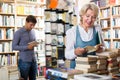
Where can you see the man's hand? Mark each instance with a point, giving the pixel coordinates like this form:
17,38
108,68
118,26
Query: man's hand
31,46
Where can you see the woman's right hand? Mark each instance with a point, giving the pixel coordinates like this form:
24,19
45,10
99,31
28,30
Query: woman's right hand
80,51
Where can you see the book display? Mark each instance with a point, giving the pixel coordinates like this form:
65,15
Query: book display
57,22
109,21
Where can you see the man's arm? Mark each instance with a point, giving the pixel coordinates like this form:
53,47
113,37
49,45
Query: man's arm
15,43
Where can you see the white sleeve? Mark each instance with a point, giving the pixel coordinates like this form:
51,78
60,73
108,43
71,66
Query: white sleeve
70,41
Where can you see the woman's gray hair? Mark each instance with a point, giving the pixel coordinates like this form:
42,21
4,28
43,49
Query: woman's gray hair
86,7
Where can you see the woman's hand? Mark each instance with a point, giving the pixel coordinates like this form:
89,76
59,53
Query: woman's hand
79,51
99,48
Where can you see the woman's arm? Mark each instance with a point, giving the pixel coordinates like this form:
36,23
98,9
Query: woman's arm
70,41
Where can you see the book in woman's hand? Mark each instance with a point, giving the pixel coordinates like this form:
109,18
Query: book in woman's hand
90,49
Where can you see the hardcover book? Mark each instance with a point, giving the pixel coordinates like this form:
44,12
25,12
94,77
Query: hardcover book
48,38
109,54
64,72
47,27
60,40
85,62
34,42
84,66
90,49
102,72
54,40
54,51
53,27
47,15
86,70
60,28
89,58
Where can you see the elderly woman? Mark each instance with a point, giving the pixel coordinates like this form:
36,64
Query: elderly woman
84,34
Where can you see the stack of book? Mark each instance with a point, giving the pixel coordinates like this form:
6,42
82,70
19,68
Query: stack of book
102,65
112,62
9,73
113,66
86,64
13,73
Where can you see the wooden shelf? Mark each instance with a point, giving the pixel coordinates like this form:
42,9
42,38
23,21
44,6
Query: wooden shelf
106,7
7,52
116,39
24,15
116,16
116,27
8,14
107,39
116,5
107,28
7,27
30,3
5,40
7,1
108,18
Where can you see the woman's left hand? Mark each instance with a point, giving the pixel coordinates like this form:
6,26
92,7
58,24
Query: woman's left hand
99,48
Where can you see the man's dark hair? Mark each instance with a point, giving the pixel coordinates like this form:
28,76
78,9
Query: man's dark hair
31,18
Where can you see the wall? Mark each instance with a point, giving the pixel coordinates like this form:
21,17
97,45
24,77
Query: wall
82,2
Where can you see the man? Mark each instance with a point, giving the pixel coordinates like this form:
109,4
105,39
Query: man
22,37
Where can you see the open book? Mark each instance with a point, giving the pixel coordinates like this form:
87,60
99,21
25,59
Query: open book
34,42
93,48
90,49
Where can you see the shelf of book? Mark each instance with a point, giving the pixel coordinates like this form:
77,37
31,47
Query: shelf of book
109,20
7,57
57,22
12,17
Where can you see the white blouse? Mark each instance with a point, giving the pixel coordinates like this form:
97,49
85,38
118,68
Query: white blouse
71,39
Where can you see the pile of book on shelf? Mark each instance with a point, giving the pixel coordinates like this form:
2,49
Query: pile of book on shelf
9,73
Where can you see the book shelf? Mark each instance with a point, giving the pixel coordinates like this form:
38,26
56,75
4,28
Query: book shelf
7,27
109,20
57,22
12,16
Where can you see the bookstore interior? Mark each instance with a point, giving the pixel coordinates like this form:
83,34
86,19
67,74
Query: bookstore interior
54,19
